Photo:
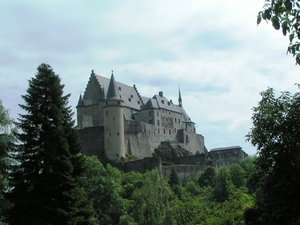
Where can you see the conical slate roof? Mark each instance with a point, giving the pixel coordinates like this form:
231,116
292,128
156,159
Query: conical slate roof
112,92
80,101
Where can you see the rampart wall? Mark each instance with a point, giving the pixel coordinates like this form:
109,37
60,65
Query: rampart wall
93,141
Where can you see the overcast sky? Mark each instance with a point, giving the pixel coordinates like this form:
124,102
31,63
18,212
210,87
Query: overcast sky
213,49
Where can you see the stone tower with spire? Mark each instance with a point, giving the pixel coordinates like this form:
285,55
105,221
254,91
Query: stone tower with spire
113,115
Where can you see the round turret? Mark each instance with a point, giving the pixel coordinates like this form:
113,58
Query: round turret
113,109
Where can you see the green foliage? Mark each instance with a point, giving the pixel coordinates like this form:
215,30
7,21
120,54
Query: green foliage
151,201
7,139
173,179
208,177
44,181
103,187
238,175
223,182
275,133
284,15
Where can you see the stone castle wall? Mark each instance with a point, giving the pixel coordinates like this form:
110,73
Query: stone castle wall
93,141
184,172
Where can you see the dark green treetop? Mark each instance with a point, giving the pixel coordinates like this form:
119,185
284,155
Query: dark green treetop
275,133
45,187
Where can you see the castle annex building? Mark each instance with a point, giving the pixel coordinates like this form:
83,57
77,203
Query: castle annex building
115,120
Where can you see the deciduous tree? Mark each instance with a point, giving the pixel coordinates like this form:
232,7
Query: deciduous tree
275,133
7,139
284,15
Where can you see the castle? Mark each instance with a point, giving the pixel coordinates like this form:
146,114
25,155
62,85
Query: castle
115,121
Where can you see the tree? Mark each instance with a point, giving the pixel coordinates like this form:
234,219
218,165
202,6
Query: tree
208,177
7,139
103,186
44,181
275,133
151,201
284,14
223,182
173,179
238,175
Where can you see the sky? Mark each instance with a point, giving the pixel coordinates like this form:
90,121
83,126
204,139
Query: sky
213,50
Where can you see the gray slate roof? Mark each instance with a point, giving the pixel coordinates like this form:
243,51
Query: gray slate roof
132,98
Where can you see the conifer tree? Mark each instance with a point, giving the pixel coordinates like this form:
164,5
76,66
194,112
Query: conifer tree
45,179
173,179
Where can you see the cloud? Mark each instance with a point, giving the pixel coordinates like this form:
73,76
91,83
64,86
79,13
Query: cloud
214,50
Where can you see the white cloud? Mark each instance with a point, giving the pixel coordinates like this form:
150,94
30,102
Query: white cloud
214,50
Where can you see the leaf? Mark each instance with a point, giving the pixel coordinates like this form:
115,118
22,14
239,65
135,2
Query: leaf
259,17
291,37
275,22
288,5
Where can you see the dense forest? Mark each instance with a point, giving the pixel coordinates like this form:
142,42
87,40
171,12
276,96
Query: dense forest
44,179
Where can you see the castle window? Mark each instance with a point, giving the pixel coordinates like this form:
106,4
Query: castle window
175,120
118,133
150,113
150,121
131,96
158,131
113,118
106,112
164,131
109,134
162,101
129,99
170,131
138,102
157,113
157,122
118,102
120,89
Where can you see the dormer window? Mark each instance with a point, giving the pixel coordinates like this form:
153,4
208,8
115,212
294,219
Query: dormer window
131,96
162,101
120,89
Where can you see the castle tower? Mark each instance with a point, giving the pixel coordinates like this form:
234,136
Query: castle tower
113,110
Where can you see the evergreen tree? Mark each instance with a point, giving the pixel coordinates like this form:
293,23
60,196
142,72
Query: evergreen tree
173,179
45,184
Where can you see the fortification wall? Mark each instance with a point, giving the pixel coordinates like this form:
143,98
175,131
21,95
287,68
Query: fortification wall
226,157
199,159
93,141
88,116
184,172
137,145
144,164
